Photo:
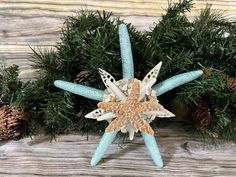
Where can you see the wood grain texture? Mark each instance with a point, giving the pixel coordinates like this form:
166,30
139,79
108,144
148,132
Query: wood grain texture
34,23
70,156
25,23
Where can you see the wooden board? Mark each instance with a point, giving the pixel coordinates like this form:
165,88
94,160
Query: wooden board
70,155
37,23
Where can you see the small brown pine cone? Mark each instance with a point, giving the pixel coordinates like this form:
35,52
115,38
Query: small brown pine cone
82,76
201,114
231,82
12,122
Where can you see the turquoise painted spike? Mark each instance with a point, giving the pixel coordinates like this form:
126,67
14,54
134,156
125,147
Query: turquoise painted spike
153,149
126,53
106,140
81,90
176,81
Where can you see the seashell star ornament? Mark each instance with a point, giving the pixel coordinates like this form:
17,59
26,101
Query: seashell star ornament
129,105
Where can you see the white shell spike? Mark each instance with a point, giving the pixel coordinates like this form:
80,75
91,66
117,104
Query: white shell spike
95,114
100,115
149,80
164,113
110,83
106,116
131,131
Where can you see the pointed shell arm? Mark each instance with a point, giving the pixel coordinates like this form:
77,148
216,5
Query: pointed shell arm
106,140
153,149
126,52
176,81
81,90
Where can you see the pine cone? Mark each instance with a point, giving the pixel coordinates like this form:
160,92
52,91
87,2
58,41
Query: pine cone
82,76
231,82
12,122
201,114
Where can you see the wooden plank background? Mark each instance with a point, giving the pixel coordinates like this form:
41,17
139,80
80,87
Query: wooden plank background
25,23
70,156
34,23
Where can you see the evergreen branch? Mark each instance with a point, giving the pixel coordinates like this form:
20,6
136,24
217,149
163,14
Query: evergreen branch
9,82
90,41
175,9
45,60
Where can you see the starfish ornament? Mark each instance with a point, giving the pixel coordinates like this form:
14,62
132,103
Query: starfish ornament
129,104
133,108
130,111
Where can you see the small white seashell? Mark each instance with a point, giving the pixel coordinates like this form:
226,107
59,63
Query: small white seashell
149,80
110,83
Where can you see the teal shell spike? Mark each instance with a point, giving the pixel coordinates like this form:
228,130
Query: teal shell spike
128,73
153,149
126,53
106,140
176,81
85,91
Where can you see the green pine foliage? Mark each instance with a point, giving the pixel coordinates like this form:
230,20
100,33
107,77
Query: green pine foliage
169,41
23,95
207,42
9,83
89,41
14,91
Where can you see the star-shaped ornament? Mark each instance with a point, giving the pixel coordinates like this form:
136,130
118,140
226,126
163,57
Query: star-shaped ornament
129,105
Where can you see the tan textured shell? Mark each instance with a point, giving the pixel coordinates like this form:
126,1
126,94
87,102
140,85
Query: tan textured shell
125,86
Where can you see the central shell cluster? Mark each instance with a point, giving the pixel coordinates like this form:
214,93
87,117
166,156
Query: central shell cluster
119,93
125,86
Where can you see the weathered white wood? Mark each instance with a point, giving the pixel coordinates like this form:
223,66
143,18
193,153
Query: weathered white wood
25,23
70,155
